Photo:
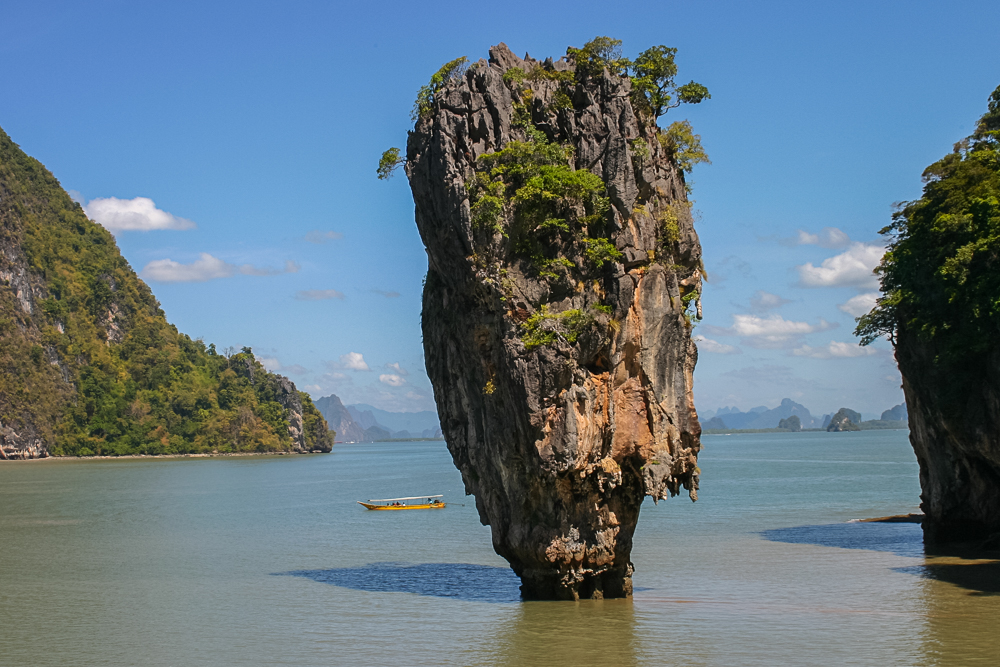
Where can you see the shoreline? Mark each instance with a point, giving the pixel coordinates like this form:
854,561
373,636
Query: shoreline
104,457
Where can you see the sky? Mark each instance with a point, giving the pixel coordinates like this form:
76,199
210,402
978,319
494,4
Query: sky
231,147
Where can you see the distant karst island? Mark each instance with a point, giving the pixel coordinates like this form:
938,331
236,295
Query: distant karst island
792,417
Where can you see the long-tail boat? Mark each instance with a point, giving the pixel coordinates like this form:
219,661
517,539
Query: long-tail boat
433,503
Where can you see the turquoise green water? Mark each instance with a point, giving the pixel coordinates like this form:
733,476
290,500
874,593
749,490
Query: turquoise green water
269,561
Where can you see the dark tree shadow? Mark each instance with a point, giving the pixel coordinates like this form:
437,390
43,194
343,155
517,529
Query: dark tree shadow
459,581
967,566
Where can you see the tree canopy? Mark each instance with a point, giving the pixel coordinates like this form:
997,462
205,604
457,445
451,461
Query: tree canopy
941,273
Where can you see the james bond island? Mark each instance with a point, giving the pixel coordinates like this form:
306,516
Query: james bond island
564,275
941,310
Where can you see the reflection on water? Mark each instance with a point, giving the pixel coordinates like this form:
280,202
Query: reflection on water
461,581
588,632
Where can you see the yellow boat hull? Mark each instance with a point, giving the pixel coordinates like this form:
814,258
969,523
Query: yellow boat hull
424,506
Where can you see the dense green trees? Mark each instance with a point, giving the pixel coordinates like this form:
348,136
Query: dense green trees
94,367
941,274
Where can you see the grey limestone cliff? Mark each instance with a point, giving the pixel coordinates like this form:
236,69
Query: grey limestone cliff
563,382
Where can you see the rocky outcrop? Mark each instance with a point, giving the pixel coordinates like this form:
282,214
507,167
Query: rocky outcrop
563,383
953,414
845,419
895,413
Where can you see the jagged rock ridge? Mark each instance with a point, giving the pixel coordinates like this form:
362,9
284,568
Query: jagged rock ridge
564,388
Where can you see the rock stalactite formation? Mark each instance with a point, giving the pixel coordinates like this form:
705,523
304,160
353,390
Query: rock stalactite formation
557,327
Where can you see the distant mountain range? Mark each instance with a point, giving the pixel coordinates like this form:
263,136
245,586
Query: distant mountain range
763,418
365,423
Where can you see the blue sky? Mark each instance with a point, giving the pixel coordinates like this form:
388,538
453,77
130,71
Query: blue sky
253,130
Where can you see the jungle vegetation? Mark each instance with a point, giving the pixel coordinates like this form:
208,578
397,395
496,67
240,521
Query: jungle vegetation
94,367
941,273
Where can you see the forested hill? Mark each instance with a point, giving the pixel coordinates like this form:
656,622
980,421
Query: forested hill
88,362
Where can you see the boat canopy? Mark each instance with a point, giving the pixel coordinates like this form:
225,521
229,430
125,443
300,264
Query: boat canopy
389,500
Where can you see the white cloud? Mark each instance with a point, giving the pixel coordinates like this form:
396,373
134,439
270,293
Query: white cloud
771,332
834,350
851,268
354,361
859,305
270,363
313,388
764,301
715,347
391,380
202,269
396,367
318,294
128,215
206,267
317,236
830,237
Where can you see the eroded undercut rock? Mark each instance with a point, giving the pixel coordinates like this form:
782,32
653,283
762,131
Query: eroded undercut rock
557,315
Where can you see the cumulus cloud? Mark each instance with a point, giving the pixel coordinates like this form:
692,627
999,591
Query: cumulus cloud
859,305
715,347
769,332
830,237
388,295
353,361
391,380
397,368
763,301
206,267
834,350
318,236
318,294
851,268
313,388
132,215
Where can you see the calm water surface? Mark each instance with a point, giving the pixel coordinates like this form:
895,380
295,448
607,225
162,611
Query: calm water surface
269,561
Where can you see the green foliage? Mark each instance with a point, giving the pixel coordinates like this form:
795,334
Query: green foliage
597,54
529,192
97,369
941,275
601,250
450,71
389,162
683,145
653,86
570,324
514,75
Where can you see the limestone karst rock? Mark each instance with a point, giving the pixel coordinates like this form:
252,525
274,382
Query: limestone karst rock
562,367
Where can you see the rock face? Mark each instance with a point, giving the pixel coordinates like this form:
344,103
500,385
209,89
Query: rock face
563,384
953,413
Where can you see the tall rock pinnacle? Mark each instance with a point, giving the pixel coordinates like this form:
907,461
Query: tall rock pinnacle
564,272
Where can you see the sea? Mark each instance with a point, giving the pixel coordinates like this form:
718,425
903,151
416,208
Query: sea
269,560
